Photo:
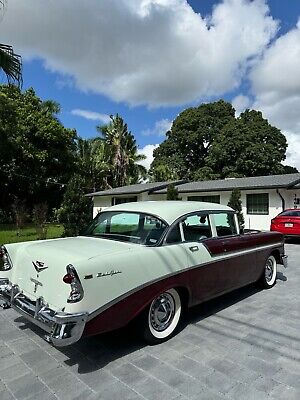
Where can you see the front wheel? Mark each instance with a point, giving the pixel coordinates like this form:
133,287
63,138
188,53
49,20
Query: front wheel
162,317
268,277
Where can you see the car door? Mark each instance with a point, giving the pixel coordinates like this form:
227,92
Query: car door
206,271
236,251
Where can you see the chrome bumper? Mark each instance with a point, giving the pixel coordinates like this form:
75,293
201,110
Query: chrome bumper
284,261
62,329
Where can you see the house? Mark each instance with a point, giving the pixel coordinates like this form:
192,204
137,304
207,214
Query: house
263,197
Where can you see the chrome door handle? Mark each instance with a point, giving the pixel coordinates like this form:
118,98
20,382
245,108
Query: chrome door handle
194,248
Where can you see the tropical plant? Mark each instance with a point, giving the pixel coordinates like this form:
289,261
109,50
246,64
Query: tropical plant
93,163
10,62
122,153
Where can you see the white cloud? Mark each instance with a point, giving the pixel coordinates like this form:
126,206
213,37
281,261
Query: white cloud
160,128
154,52
87,114
276,85
293,151
241,103
148,152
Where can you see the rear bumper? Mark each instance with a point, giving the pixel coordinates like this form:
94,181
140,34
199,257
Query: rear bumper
62,329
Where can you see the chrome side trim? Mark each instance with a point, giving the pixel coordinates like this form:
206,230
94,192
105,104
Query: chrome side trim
63,329
215,259
242,252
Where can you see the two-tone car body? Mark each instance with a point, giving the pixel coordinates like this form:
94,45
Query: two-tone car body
145,260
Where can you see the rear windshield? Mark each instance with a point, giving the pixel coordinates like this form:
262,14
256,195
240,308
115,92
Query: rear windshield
290,213
128,227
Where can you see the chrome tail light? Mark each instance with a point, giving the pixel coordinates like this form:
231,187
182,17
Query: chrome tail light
72,278
5,261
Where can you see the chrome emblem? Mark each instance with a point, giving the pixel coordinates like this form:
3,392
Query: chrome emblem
36,284
108,273
39,266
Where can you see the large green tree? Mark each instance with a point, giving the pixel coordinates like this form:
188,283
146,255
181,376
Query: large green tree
189,141
209,142
122,153
248,146
37,154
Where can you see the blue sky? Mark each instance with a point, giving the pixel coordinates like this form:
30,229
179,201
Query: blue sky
149,59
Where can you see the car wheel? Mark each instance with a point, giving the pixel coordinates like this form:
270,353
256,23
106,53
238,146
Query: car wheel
268,277
162,317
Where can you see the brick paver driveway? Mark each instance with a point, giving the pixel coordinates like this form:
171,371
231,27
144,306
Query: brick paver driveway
245,345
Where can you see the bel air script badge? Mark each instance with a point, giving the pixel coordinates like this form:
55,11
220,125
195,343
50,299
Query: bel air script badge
109,273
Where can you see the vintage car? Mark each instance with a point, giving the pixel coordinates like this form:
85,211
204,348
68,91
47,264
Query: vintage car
144,261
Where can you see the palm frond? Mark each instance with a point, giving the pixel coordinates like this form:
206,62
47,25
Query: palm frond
2,7
11,64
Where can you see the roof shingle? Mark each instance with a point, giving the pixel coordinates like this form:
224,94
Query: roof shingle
135,189
255,182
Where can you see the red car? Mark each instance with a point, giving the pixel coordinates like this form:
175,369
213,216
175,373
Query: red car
287,222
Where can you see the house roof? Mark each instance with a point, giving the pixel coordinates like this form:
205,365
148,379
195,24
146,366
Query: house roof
167,210
135,189
288,181
256,182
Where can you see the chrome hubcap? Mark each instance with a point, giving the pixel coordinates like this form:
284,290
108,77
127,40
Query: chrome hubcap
269,270
162,312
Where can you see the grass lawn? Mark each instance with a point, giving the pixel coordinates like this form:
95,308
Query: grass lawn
8,233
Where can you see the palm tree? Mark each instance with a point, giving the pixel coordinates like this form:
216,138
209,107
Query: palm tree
93,163
123,153
10,62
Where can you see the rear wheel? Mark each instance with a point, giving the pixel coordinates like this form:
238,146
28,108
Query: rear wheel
268,277
162,317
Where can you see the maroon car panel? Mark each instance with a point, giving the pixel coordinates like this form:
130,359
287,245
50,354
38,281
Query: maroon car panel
202,282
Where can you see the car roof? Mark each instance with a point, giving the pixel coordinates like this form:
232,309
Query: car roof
168,210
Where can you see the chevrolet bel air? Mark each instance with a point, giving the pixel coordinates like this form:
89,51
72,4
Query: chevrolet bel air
144,261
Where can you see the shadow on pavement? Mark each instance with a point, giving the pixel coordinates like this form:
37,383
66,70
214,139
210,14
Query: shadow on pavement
211,307
96,352
290,240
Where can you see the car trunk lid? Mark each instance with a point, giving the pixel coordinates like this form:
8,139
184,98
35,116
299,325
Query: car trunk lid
288,225
39,267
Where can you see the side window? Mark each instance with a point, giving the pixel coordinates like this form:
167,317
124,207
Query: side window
174,235
196,227
100,227
225,224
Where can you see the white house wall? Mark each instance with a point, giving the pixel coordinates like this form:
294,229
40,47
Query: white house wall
100,203
290,197
258,221
252,221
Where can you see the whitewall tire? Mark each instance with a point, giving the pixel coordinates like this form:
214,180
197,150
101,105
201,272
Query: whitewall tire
162,317
268,278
